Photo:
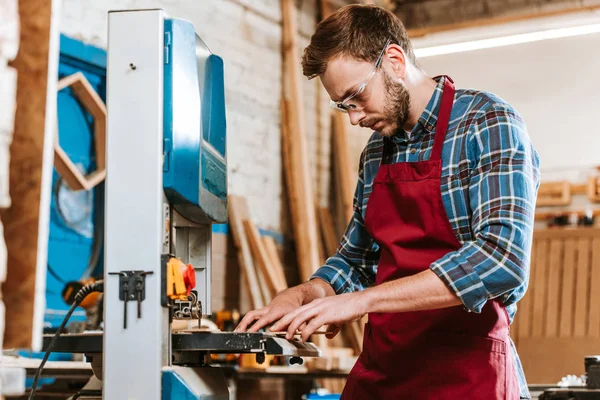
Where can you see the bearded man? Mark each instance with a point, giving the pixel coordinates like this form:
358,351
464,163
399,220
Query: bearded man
438,250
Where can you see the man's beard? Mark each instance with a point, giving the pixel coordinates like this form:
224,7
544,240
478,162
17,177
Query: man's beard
397,105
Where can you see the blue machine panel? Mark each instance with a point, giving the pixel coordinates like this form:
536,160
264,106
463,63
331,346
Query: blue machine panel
75,240
195,170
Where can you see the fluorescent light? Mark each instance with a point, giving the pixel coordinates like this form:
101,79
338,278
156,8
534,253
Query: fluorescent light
506,40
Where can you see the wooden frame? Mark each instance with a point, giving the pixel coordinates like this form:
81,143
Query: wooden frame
554,194
593,189
92,102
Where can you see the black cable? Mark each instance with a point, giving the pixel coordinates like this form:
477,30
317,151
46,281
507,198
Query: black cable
55,274
97,286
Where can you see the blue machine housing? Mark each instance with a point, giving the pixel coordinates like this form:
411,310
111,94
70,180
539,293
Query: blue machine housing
194,169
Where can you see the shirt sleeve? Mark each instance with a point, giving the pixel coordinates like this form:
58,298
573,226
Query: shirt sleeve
354,265
502,193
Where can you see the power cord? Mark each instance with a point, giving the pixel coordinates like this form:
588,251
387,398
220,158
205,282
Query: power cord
97,286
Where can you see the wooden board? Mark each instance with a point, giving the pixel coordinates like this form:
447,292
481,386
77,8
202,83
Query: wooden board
553,295
299,184
568,290
271,249
259,252
26,222
582,287
539,299
594,315
238,211
342,166
328,231
525,311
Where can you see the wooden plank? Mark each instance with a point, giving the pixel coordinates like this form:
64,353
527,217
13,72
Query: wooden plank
328,231
265,291
342,166
567,312
582,287
539,300
300,188
271,249
554,289
26,222
238,211
525,308
262,258
594,316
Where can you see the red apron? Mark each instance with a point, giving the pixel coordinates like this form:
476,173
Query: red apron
436,354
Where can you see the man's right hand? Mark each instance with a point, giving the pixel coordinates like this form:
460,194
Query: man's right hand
283,304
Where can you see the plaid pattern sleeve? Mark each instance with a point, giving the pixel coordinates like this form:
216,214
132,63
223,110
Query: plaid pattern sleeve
353,267
502,191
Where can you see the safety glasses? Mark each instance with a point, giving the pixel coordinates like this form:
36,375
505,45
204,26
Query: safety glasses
347,104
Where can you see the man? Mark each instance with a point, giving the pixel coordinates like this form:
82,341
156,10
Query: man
437,252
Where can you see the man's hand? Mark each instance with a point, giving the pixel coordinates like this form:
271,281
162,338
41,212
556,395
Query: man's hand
283,304
333,311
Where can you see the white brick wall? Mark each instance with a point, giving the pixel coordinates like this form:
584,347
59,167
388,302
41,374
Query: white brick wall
247,34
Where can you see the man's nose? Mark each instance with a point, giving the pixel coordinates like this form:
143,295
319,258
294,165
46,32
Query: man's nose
356,116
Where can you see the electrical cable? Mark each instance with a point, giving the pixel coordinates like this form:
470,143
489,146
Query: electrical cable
55,274
97,286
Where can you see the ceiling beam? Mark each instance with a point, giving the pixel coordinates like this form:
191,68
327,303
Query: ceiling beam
479,22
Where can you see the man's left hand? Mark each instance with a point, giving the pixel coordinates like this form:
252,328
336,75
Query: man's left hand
333,311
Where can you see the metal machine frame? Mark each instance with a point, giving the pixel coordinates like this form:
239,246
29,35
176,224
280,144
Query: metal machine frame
135,230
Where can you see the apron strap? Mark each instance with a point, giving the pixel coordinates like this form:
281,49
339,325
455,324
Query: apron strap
387,151
443,118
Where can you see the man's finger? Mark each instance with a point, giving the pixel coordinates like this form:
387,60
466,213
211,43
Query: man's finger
284,322
248,319
302,318
311,327
264,320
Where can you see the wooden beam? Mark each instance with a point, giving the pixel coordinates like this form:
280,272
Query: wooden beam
238,211
26,221
299,182
482,22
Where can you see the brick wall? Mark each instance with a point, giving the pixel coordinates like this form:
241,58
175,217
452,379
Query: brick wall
247,34
9,42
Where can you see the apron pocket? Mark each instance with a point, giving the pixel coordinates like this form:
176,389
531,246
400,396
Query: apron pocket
465,366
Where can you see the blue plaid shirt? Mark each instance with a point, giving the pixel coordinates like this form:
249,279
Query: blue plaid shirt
490,177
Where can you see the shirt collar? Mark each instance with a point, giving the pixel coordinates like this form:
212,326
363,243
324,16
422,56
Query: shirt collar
428,118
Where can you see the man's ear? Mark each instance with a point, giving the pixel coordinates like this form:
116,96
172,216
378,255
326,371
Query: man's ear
397,58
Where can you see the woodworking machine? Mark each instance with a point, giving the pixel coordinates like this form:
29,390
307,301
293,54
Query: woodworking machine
166,185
